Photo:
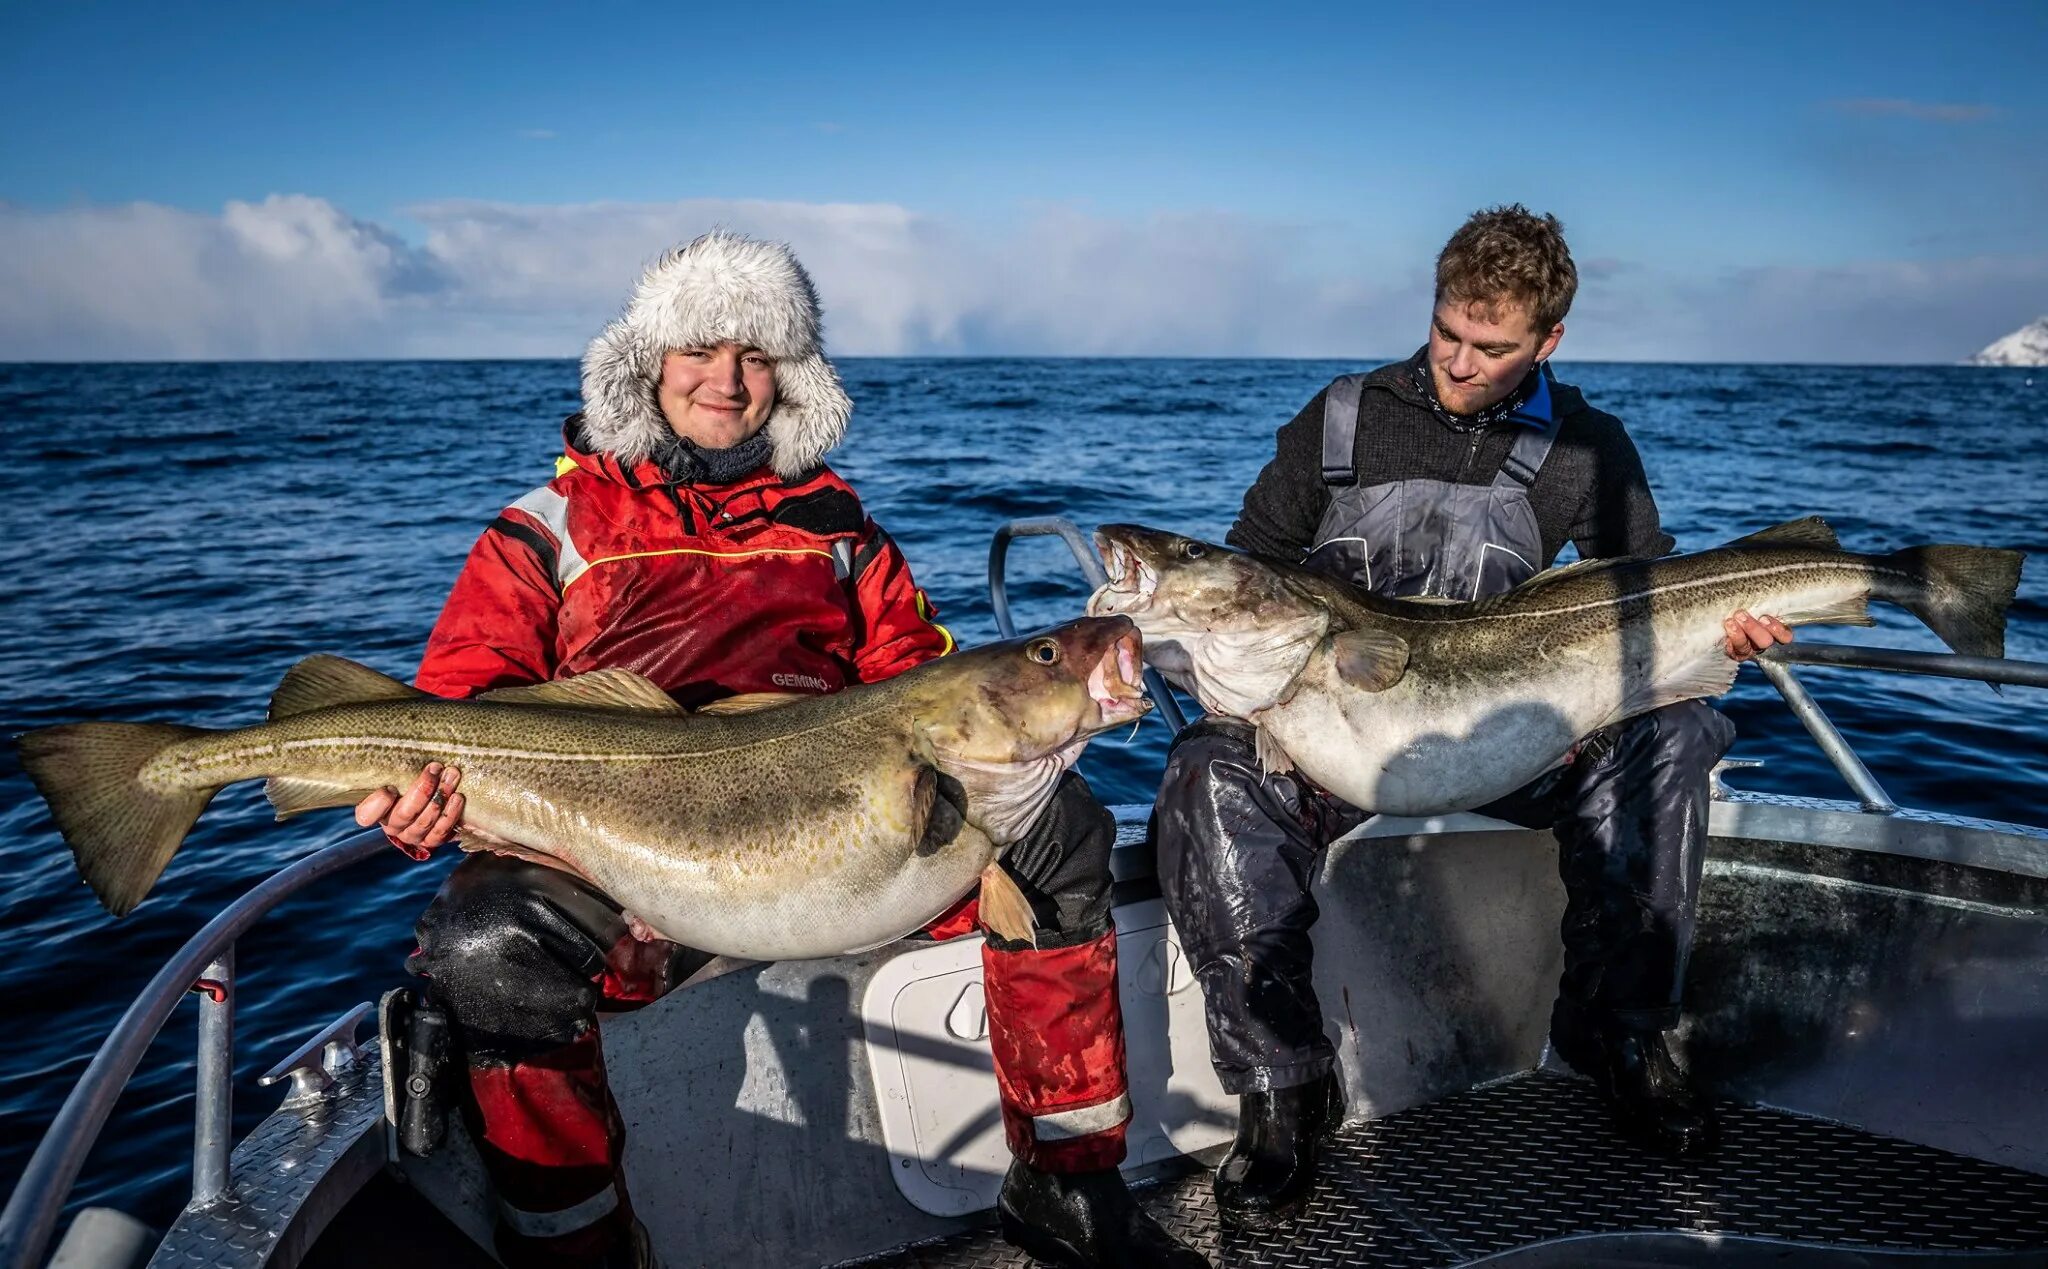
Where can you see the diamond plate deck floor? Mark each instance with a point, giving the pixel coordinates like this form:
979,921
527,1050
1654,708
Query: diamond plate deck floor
1532,1159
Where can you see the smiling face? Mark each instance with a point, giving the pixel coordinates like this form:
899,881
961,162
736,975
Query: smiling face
1480,351
718,395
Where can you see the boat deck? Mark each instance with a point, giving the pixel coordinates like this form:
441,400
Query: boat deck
1506,1173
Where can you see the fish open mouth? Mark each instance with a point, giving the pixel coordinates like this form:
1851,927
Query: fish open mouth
1132,582
1115,682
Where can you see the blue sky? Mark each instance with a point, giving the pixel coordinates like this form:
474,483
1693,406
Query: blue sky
1814,182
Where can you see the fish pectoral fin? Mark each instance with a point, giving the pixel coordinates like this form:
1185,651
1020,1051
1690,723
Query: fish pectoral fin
1005,912
322,681
1272,758
1810,531
1709,676
619,690
750,703
1370,659
924,791
938,811
290,795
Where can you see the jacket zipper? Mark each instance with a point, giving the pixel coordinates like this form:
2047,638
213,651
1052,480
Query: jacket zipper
1471,452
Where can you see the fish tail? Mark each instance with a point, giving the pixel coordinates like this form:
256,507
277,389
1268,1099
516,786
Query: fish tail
122,829
1961,592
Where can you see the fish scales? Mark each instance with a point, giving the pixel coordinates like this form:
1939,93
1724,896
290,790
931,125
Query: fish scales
814,828
734,809
1420,708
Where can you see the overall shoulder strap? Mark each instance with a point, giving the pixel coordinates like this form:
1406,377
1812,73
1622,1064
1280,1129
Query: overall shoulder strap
1340,429
1525,459
1539,420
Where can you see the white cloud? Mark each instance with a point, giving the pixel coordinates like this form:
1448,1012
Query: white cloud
894,282
142,280
1874,311
294,276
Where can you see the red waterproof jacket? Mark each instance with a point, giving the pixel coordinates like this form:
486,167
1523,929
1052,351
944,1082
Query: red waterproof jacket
763,585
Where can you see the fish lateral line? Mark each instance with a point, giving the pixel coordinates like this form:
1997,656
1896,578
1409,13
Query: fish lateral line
1662,589
416,744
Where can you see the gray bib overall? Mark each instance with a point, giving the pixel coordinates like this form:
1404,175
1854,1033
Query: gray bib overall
1239,845
1429,537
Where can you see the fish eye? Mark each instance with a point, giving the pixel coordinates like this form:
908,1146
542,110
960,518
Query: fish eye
1044,651
1193,550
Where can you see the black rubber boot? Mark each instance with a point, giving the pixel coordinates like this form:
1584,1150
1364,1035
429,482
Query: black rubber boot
1266,1178
1648,1091
1086,1220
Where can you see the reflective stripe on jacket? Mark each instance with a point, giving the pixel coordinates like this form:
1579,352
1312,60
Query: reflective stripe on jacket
763,585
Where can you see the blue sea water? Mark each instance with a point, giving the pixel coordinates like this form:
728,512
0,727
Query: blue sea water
181,534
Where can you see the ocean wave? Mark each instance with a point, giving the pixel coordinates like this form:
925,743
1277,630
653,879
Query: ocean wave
252,514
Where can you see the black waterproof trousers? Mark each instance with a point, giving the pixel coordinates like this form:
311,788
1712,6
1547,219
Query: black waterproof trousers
523,958
1238,849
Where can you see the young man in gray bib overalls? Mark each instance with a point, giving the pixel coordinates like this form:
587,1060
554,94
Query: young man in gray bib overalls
1455,474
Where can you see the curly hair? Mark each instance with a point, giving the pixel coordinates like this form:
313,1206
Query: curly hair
1510,255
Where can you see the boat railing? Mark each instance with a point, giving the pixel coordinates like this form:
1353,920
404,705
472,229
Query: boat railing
1091,568
205,965
1775,663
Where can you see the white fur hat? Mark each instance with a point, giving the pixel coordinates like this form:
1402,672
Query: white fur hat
722,287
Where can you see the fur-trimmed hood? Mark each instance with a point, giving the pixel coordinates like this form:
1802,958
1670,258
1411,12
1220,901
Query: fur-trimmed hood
724,286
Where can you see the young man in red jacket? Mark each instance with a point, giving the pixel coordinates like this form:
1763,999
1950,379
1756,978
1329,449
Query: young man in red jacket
693,534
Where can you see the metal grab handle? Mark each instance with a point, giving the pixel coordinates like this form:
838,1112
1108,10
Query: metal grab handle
30,1216
1776,663
1831,741
313,1066
1091,568
213,1111
1947,665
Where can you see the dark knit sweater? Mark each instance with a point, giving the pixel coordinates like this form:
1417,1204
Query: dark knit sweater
1591,491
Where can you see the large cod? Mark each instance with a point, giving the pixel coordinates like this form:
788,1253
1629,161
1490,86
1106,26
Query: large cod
1409,707
815,827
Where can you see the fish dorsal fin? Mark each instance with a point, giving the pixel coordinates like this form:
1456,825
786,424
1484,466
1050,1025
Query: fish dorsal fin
1370,659
1810,531
619,690
1553,576
750,703
1577,568
322,681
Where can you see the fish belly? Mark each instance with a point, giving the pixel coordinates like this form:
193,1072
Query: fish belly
1431,747
1423,754
788,891
1441,741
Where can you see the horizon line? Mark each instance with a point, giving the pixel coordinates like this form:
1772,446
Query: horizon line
6,363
